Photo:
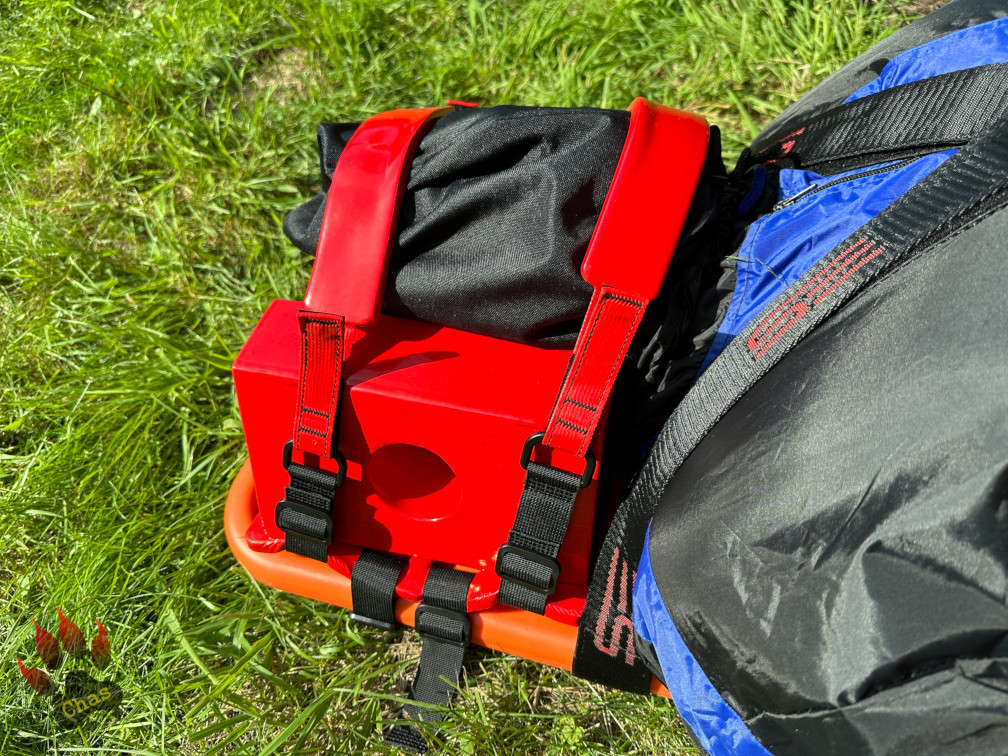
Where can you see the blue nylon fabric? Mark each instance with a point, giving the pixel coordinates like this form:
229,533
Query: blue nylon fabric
780,247
978,45
718,727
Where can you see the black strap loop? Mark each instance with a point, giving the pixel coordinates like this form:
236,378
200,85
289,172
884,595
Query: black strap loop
527,563
373,588
444,627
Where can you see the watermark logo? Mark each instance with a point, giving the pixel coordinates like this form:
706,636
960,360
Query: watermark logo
81,694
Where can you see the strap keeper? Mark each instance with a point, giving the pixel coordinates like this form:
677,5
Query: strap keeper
509,573
284,504
442,624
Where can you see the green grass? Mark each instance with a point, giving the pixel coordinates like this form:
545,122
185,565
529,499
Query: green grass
148,153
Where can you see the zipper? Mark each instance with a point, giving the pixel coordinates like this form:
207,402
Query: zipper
814,188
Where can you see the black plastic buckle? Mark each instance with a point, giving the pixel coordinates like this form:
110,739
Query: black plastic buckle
311,512
288,456
433,631
530,556
372,622
537,438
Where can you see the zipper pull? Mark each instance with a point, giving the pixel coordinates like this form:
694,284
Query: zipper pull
788,201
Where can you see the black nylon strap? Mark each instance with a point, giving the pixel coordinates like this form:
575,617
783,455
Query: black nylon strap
922,116
961,191
305,512
444,627
372,588
527,563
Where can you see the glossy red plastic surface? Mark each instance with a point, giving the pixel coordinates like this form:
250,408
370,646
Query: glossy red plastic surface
648,200
361,212
432,424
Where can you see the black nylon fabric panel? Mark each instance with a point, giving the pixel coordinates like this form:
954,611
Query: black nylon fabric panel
866,67
851,516
303,224
965,188
499,207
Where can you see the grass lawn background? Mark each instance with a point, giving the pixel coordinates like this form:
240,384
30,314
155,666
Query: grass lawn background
148,153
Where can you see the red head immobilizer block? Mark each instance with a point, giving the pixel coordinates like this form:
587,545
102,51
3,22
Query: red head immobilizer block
432,421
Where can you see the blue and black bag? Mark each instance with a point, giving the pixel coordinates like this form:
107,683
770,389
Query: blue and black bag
819,533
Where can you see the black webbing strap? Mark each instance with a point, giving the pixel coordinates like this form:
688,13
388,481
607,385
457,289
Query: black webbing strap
922,116
965,188
444,628
373,588
527,563
305,512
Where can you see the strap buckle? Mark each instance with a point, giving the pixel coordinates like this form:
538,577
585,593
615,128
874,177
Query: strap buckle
442,624
299,500
537,438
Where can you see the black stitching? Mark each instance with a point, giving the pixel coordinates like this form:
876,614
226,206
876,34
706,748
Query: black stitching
561,421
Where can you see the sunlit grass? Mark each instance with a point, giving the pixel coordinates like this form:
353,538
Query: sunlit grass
148,153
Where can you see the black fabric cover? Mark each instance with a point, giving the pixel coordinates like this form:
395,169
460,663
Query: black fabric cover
844,527
500,205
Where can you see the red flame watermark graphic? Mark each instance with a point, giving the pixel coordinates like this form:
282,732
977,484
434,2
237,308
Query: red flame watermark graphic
75,694
47,646
74,644
70,636
38,678
101,651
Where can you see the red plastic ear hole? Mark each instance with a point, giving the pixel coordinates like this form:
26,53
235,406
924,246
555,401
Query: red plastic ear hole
413,480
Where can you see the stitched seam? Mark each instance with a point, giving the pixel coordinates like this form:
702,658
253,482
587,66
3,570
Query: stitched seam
323,322
304,373
582,405
561,421
607,386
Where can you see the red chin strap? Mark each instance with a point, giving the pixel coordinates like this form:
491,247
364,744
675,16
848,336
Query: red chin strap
627,261
628,258
351,265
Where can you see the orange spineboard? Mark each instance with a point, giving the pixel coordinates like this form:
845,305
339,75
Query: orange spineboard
511,631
